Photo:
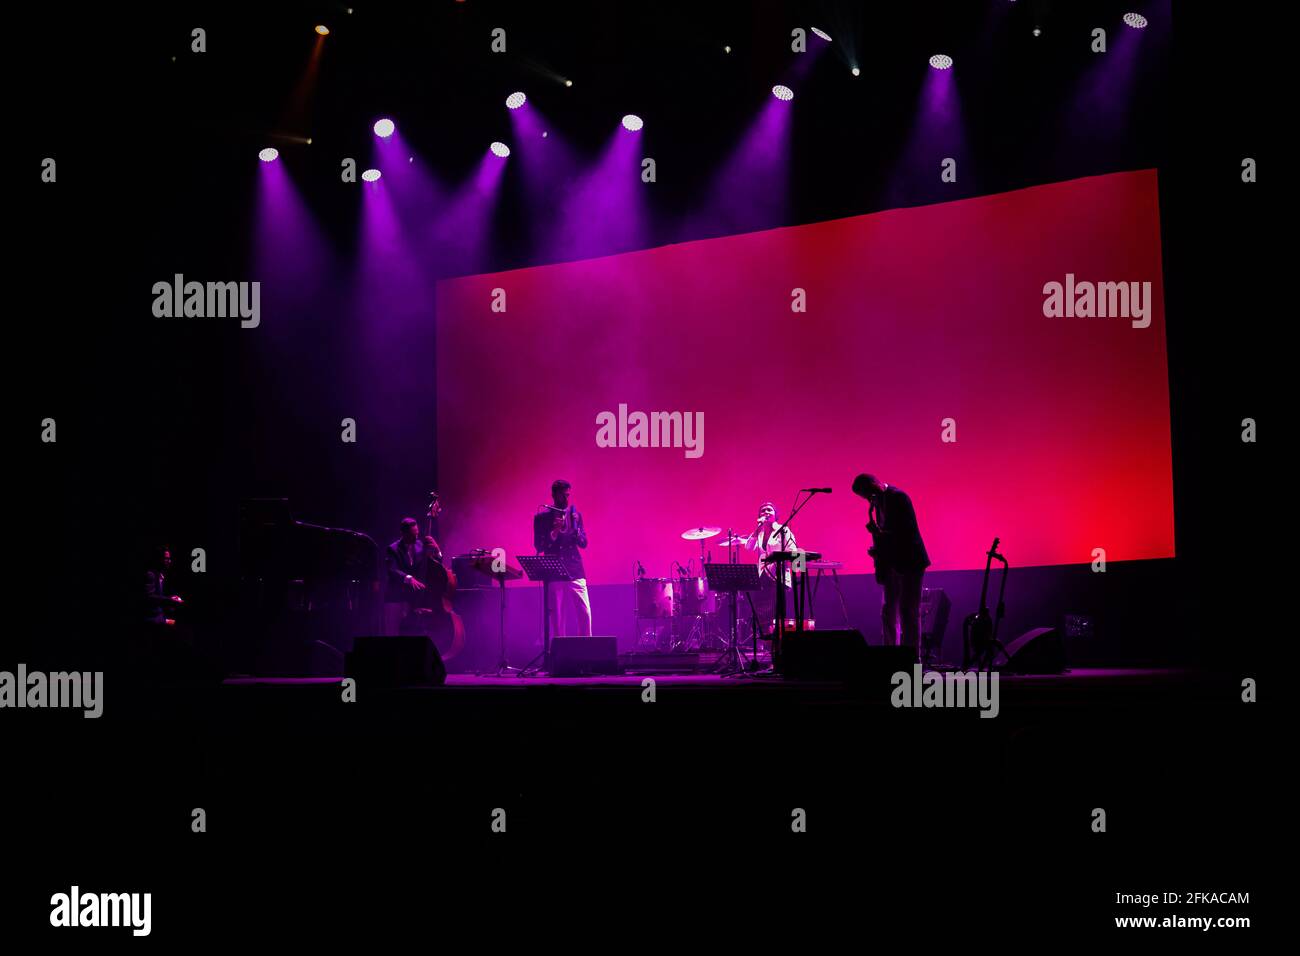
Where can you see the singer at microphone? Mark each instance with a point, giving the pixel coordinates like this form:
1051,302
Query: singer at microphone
558,530
770,535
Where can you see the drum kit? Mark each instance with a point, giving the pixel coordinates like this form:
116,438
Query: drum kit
682,614
679,615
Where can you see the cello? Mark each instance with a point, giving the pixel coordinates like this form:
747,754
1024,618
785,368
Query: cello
433,614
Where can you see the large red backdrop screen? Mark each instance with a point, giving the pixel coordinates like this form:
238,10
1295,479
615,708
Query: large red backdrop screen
913,316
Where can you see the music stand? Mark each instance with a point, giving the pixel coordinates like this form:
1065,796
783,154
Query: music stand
483,564
544,568
733,578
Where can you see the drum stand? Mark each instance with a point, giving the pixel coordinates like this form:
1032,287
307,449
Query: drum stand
503,666
733,578
696,630
650,620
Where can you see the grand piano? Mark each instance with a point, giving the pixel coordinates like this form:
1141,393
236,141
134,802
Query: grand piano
306,591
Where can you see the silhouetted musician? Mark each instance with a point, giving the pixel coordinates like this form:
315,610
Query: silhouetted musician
900,557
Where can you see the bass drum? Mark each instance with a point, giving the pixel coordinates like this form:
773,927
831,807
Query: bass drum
654,598
694,597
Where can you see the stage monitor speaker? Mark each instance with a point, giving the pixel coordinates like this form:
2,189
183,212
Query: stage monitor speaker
1040,651
843,655
406,661
825,655
582,656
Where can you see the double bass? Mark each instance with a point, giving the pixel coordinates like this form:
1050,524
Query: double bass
433,614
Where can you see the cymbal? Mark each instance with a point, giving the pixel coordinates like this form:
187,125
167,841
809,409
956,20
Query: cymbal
699,534
736,542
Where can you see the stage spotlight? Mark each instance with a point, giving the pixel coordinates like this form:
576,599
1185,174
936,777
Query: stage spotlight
384,128
568,82
782,92
726,49
500,149
941,61
1037,32
823,34
632,122
268,155
856,72
516,100
322,29
1135,20
370,175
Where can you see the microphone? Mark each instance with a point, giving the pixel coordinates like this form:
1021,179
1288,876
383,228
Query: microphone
817,491
640,569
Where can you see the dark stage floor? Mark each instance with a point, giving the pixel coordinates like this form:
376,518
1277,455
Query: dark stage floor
665,804
1093,678
1078,691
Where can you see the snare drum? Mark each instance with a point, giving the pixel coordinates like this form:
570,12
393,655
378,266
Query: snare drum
694,597
654,597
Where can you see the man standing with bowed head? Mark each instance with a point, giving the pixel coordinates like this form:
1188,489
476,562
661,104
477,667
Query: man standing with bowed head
558,531
900,558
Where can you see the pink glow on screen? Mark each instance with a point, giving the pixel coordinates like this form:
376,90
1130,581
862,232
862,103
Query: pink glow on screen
913,316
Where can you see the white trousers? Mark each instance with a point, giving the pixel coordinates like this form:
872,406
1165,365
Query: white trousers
570,608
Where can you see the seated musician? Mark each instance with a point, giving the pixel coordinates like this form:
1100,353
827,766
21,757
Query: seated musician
162,648
159,605
405,565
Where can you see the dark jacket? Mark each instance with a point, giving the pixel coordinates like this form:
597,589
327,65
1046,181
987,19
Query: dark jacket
397,565
157,602
566,546
897,545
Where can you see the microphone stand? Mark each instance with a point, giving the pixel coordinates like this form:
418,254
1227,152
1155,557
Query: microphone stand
778,637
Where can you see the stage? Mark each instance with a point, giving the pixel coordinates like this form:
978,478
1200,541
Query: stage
732,361
1075,685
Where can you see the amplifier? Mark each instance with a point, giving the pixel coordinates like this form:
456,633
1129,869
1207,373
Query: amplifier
581,656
